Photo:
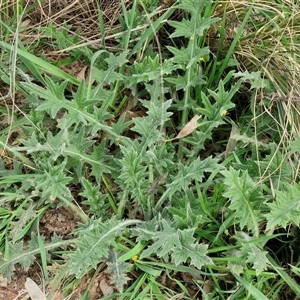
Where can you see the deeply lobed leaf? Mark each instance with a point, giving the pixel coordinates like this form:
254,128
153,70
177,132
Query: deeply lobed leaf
286,208
245,199
94,243
180,244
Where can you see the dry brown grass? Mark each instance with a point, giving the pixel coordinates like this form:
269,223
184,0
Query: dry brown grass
80,17
269,44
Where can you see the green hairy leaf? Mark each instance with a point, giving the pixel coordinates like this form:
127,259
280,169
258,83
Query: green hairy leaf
151,69
94,243
195,171
193,5
53,182
250,252
257,82
183,56
222,101
197,253
180,244
18,253
118,270
257,257
54,96
192,28
286,208
147,126
94,199
238,265
245,199
165,240
132,171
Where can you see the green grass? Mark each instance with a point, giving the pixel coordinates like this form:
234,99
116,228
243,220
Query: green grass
169,207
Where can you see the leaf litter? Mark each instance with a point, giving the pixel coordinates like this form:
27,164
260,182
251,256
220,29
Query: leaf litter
189,128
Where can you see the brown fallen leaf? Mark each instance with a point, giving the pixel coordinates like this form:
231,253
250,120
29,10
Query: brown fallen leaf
3,281
33,290
187,129
83,74
207,288
231,141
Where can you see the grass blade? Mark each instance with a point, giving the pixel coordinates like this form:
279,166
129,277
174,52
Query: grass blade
33,61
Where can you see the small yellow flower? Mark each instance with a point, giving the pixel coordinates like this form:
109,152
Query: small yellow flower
224,112
51,198
192,38
135,258
201,59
